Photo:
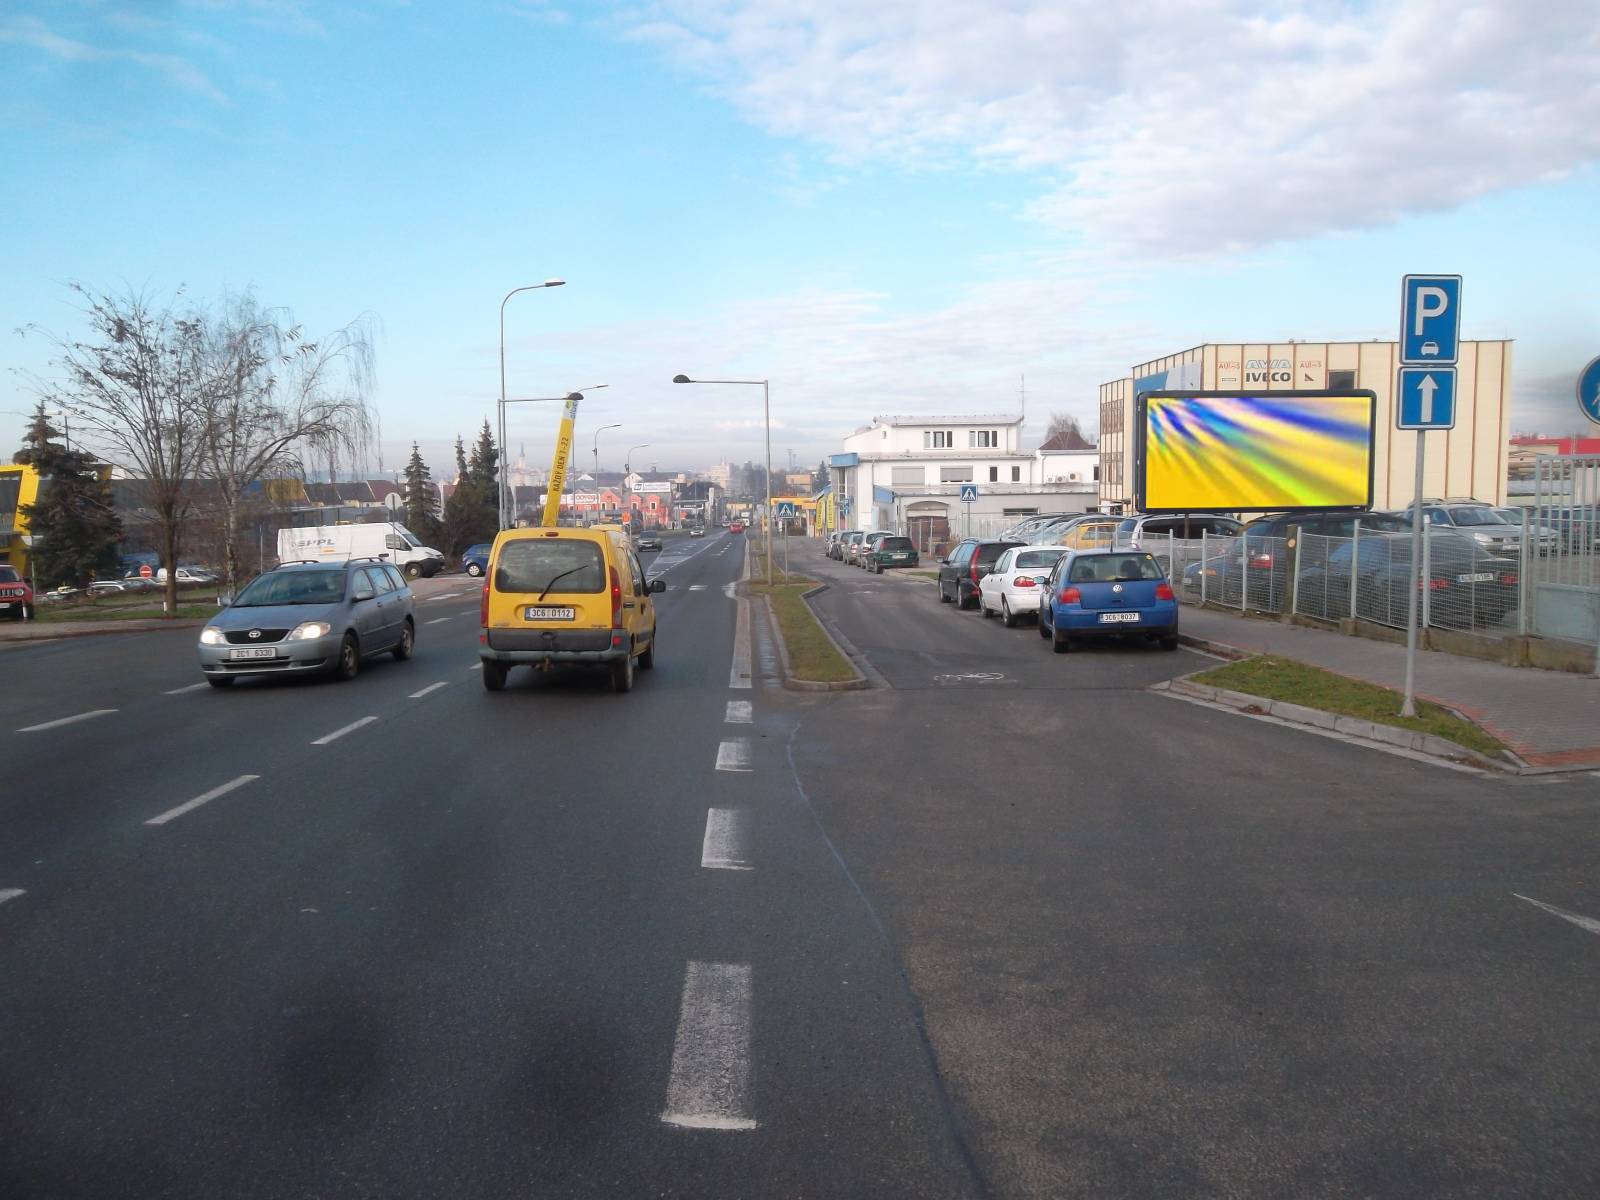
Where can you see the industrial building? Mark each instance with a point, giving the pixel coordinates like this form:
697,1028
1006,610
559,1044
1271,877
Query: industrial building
1469,460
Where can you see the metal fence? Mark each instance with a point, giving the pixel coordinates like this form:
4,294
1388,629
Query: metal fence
1564,591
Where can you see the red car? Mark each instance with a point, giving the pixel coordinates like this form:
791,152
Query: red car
736,527
16,597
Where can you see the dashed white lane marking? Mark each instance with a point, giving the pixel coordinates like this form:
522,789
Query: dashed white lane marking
739,713
57,724
193,687
173,814
739,672
477,666
11,894
444,596
734,755
339,733
727,840
697,587
432,687
436,620
1582,922
710,1082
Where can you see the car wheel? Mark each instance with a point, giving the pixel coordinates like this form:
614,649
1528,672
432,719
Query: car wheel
413,570
943,599
964,602
348,665
474,570
1007,617
1044,630
221,681
622,675
1060,642
983,609
407,642
647,660
1170,642
494,675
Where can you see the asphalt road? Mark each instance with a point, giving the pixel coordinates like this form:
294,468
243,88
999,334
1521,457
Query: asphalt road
1007,925
1165,950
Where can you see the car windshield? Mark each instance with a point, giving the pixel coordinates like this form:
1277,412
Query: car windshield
540,564
1113,568
1037,558
9,575
292,587
1476,516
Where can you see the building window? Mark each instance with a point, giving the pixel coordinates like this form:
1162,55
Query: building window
1341,381
1016,474
994,474
983,439
938,439
955,474
1097,472
907,476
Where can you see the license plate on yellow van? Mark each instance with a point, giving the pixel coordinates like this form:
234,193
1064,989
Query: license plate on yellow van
546,612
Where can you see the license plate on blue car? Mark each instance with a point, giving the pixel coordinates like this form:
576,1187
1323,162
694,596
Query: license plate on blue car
1115,618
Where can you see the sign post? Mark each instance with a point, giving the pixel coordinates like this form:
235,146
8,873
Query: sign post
1425,390
558,464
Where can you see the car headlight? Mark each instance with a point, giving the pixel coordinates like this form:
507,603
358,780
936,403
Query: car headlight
307,630
1483,538
212,636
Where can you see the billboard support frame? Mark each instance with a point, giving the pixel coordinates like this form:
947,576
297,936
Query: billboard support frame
1142,433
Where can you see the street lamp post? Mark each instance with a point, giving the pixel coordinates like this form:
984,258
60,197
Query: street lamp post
532,287
766,408
597,434
627,469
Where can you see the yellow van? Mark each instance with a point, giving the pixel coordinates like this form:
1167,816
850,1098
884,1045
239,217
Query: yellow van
566,596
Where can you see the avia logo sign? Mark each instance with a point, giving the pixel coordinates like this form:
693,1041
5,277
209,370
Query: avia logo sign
1263,372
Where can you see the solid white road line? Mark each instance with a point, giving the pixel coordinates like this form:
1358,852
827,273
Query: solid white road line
739,672
193,687
432,687
84,716
436,620
173,814
1577,919
739,713
727,840
339,733
734,755
11,894
710,1082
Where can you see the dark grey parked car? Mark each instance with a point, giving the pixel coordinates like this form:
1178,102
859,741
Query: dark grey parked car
964,568
308,618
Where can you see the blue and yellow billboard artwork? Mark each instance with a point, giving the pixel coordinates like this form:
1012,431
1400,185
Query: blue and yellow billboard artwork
1257,452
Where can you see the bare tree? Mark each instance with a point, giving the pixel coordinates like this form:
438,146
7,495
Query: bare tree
1063,423
277,402
140,389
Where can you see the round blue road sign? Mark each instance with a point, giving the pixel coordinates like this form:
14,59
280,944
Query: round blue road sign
1589,391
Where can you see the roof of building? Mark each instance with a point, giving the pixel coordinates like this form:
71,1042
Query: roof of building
948,419
1067,439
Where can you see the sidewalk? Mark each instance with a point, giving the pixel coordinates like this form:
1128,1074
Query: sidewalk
45,631
1549,718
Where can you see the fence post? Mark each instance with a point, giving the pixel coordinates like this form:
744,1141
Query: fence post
1424,579
1205,558
1355,566
1522,575
1297,540
1244,573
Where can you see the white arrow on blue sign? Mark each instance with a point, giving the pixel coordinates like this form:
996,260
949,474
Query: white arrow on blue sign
1427,398
1430,319
1589,391
969,493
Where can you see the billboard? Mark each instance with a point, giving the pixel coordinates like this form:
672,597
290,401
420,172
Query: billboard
1255,451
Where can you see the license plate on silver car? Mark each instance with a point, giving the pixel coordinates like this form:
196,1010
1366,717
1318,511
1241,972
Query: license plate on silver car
1113,618
545,612
1476,577
253,652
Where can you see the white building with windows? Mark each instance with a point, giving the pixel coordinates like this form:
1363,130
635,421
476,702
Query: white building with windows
907,472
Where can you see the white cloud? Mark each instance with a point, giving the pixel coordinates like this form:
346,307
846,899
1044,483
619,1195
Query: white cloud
1177,126
28,31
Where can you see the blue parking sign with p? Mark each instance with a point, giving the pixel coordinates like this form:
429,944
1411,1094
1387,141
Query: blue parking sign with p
1430,319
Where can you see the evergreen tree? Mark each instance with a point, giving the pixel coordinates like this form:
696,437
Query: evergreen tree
485,464
422,502
75,528
461,460
472,514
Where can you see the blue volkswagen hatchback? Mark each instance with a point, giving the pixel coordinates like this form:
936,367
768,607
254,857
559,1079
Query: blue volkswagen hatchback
1106,593
475,559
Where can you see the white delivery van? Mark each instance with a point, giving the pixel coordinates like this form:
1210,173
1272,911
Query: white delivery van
335,543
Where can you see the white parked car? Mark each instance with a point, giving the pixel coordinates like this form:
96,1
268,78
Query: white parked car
195,575
1014,585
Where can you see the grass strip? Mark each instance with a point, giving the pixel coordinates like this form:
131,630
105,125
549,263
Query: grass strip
811,655
1298,683
186,612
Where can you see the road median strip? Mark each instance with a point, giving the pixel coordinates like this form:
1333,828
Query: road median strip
812,660
1306,695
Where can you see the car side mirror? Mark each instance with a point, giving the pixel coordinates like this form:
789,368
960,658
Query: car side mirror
658,585
363,594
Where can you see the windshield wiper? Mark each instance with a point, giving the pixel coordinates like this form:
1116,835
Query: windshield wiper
563,575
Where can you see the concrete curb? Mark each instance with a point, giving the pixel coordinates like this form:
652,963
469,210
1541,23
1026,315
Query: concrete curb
1372,731
1220,649
790,683
64,629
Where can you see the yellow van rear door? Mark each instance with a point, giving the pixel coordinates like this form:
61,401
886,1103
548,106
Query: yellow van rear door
551,580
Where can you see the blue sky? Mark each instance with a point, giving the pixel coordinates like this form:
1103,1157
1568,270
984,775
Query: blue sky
889,208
